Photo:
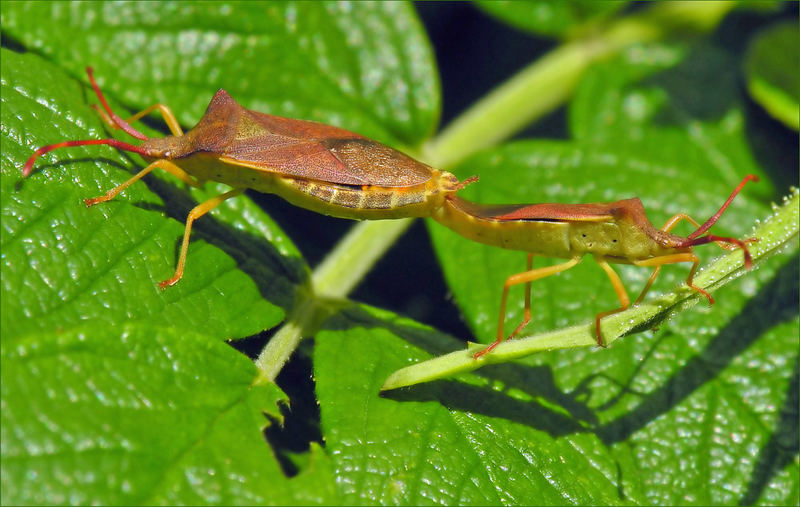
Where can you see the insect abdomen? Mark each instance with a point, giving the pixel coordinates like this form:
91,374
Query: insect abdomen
361,199
368,202
550,238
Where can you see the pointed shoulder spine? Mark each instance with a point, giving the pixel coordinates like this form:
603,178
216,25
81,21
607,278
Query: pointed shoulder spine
222,101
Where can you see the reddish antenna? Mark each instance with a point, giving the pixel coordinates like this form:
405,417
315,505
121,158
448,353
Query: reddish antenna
28,167
116,119
695,238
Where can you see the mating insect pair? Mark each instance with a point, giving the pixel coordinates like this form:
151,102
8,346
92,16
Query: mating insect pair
337,172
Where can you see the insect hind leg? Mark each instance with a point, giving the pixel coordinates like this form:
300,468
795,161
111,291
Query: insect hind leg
525,277
622,295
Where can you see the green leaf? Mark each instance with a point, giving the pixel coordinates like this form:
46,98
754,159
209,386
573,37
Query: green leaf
99,365
559,17
369,69
450,444
138,414
772,70
647,100
599,427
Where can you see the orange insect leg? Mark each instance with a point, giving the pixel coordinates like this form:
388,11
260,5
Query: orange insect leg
166,165
668,226
526,315
166,113
672,259
622,294
525,277
196,213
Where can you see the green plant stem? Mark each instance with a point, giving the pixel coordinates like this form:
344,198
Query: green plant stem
548,82
354,256
535,91
280,348
776,233
333,279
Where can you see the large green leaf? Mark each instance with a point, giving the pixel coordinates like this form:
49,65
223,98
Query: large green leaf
631,425
449,443
115,392
139,413
79,285
368,69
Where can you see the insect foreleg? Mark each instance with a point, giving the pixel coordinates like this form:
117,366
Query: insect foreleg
683,216
196,213
672,259
166,165
670,224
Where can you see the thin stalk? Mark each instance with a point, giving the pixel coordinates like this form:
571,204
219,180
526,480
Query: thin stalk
545,84
280,348
334,278
776,234
354,256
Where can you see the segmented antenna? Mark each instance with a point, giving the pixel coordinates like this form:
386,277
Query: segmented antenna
695,238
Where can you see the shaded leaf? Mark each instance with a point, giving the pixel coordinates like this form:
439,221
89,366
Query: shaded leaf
772,69
602,427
